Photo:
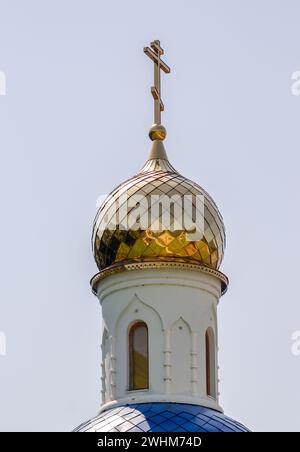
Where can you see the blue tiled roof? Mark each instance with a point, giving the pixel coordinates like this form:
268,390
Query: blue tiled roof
161,417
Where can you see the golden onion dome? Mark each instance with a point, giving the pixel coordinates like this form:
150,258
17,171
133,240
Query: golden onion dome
120,236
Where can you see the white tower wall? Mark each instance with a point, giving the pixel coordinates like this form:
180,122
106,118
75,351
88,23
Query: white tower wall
178,306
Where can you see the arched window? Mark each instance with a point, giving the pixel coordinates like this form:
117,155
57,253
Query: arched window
138,357
210,363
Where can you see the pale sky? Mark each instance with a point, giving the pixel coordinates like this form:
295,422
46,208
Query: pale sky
74,124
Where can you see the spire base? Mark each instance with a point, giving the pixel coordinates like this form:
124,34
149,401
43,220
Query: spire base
158,151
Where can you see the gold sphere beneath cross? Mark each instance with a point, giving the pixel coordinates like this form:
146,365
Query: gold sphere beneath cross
157,132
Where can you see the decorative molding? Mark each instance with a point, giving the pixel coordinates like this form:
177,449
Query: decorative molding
113,366
168,264
136,299
194,365
169,398
167,360
105,338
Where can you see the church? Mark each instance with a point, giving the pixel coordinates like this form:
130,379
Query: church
158,242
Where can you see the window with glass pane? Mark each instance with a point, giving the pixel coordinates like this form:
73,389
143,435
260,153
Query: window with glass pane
138,357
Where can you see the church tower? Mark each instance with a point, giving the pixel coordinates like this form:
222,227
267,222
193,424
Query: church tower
158,241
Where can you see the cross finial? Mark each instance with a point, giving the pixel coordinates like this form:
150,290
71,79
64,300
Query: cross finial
155,54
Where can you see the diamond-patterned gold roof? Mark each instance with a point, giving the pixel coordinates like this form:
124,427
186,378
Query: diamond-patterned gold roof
157,177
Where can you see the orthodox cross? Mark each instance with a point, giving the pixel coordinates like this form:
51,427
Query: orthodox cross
155,53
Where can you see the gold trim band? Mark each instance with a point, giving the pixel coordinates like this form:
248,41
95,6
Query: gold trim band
157,264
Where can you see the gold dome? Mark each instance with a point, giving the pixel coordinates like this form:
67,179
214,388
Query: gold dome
113,244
